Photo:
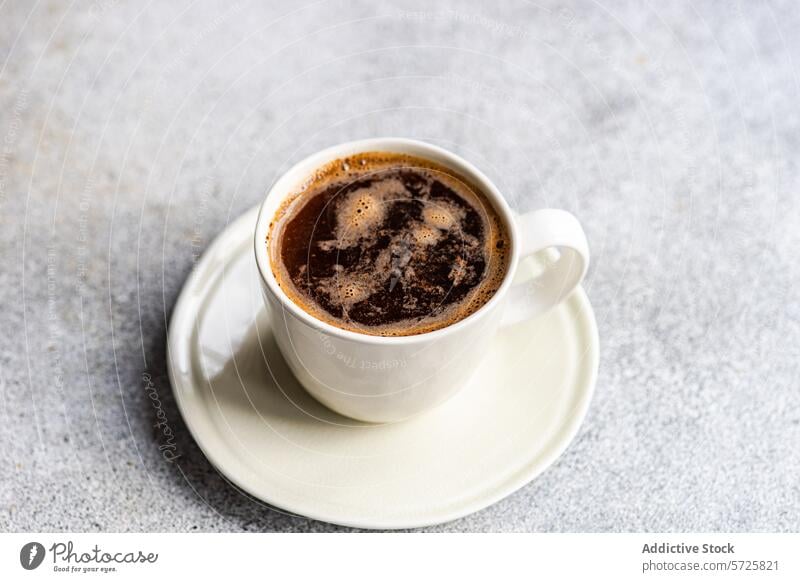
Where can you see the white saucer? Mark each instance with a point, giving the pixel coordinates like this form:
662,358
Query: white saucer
258,426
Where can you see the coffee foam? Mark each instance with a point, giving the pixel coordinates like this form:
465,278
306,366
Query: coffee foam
363,210
440,217
359,213
350,289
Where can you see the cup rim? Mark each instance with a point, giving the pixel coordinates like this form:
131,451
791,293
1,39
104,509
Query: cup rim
292,177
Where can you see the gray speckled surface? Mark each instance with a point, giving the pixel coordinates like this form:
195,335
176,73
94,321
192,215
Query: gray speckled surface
131,133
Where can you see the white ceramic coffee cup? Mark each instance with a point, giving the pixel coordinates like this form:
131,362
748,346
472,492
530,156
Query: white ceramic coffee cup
386,379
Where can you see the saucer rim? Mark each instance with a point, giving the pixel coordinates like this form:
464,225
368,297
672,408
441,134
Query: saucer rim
588,371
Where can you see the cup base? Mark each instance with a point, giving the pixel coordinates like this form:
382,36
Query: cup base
267,435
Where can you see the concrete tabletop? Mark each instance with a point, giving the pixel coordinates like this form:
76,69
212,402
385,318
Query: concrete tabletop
131,133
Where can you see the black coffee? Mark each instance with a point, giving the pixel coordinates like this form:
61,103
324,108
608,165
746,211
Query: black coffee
388,244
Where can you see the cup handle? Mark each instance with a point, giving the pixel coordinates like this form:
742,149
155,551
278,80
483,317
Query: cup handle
560,234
